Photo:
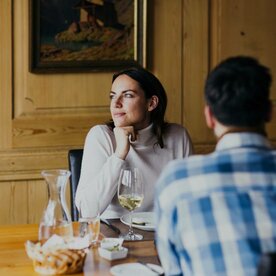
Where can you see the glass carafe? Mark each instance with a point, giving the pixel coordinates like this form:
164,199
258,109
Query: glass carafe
56,218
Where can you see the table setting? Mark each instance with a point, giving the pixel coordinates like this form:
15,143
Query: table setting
140,220
105,246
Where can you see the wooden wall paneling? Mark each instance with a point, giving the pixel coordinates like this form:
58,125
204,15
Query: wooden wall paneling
245,28
195,68
6,73
26,164
167,53
13,202
53,131
25,202
53,109
42,116
37,200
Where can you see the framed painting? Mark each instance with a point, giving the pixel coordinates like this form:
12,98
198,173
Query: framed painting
86,35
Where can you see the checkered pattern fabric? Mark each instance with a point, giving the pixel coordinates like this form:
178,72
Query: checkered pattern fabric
217,213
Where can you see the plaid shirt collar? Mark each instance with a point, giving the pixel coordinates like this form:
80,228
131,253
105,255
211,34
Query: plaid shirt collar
242,140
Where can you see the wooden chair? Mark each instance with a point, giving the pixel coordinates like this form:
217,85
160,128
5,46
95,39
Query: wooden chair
74,160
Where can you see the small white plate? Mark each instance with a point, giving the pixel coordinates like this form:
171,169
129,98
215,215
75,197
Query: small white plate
147,217
135,269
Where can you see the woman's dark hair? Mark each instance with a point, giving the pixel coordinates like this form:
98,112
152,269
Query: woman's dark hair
237,91
151,86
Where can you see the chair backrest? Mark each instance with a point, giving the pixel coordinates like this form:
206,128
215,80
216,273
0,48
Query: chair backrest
75,160
267,265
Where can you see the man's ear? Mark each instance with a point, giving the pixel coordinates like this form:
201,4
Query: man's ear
209,117
153,103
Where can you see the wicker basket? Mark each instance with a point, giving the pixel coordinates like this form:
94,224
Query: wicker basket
60,261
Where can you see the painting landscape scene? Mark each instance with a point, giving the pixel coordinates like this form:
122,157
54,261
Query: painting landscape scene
83,30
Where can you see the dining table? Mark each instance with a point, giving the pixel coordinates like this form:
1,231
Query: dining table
14,260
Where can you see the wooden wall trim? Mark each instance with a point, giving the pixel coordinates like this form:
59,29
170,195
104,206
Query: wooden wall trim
6,73
54,131
28,164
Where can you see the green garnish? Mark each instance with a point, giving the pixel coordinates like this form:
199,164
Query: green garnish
114,248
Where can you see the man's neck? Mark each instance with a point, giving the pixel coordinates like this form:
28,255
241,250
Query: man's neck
221,130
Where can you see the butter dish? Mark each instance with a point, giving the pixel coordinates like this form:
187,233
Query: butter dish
111,243
113,255
112,249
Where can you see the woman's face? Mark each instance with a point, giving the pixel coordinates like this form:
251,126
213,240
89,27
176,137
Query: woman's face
128,105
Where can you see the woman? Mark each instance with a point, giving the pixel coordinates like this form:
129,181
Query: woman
137,136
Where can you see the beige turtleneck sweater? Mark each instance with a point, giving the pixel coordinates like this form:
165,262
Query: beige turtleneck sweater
101,167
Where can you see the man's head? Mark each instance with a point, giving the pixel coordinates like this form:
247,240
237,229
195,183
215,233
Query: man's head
237,93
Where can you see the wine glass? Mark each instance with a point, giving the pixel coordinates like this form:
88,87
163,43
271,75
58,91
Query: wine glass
130,196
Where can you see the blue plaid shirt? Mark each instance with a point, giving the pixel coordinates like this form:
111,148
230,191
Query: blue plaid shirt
217,213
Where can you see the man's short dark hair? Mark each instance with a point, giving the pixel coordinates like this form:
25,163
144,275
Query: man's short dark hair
237,91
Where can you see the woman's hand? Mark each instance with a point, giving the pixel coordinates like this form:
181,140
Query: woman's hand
122,136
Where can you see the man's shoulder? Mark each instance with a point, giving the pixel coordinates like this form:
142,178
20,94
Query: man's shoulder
181,170
192,163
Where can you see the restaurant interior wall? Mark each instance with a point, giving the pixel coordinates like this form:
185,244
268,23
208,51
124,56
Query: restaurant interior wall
44,115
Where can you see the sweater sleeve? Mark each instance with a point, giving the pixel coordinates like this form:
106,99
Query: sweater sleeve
99,172
188,145
178,139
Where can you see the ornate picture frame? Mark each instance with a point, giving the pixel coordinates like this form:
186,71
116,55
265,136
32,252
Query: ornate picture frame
86,35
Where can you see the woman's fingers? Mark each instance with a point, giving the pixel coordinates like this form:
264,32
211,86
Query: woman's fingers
127,131
123,135
131,133
133,137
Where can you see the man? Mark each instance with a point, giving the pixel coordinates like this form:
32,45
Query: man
216,213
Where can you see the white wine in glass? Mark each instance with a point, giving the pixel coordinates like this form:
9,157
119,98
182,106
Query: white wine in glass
130,196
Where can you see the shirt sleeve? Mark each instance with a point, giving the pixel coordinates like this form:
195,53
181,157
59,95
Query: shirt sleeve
99,172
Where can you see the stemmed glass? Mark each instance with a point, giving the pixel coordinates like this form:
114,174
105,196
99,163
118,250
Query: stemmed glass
130,196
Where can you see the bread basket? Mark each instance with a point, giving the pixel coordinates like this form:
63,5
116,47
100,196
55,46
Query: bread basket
55,261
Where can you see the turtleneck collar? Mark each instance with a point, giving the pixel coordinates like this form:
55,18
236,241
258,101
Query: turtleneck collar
145,137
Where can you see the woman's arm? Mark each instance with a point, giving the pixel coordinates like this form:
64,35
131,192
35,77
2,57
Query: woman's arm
100,170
